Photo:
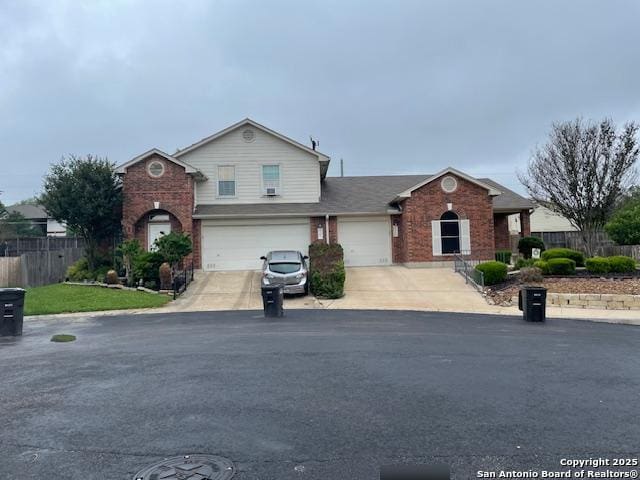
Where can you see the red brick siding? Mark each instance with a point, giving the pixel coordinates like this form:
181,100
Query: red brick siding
398,243
196,237
470,201
174,191
502,234
525,223
333,229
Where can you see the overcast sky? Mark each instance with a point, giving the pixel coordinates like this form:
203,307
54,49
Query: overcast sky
391,87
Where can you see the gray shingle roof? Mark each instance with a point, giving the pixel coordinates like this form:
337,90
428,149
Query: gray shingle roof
28,210
354,195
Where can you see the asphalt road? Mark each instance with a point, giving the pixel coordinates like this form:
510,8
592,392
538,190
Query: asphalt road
321,394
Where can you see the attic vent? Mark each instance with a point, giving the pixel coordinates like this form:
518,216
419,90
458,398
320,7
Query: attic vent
155,168
449,184
248,135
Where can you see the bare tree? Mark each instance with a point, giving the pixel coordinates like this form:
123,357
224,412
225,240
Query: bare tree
582,171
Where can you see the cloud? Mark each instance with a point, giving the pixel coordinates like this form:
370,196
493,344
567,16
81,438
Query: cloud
391,87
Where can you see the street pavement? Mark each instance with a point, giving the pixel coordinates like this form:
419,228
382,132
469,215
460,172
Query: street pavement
319,394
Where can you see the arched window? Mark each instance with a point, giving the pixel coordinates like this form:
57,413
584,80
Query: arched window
450,232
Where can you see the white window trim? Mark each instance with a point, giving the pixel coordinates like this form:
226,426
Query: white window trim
262,187
235,181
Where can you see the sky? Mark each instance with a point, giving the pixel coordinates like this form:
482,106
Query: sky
391,87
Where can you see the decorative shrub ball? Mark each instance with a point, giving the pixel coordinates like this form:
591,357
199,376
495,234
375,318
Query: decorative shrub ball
621,264
574,255
494,272
112,278
543,265
598,265
561,266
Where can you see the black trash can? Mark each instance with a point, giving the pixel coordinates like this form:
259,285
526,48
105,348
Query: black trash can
11,311
273,300
533,302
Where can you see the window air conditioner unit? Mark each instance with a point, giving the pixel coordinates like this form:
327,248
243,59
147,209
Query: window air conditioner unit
272,191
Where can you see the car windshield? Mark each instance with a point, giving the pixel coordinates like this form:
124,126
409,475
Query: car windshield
282,267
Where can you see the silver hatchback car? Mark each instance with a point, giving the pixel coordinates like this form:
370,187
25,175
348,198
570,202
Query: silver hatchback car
288,268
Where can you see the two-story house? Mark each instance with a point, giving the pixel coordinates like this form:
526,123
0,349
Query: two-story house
247,189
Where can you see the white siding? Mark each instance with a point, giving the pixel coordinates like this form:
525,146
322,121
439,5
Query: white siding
299,170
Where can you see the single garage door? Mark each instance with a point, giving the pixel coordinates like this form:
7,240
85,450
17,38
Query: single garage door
365,240
239,245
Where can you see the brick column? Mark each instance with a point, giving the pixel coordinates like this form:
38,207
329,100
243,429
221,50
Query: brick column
525,224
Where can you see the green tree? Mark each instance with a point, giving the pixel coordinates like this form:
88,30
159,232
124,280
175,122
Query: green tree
174,247
582,172
130,251
86,194
624,226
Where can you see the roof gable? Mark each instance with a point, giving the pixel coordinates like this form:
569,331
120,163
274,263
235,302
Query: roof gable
154,151
247,121
407,193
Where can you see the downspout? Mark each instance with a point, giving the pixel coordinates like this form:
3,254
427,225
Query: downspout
326,228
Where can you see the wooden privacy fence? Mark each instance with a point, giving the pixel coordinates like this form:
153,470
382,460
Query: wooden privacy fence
33,269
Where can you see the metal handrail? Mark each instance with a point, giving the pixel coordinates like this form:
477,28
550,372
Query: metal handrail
182,279
467,268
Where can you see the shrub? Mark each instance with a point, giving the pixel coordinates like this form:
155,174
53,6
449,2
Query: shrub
574,255
624,227
543,266
525,262
598,265
147,268
112,278
503,256
494,272
621,264
561,266
79,271
525,244
129,250
165,276
173,247
326,268
531,274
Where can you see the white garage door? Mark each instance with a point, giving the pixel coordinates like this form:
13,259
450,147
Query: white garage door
239,245
366,241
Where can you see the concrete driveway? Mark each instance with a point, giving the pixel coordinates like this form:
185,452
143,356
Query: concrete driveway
402,288
319,394
238,290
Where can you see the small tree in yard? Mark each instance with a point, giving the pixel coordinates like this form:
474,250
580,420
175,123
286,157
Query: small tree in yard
174,247
130,251
624,226
85,193
582,172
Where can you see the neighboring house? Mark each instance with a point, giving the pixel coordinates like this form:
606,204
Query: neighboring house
248,189
39,219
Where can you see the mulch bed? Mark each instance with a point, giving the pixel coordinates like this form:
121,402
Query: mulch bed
582,282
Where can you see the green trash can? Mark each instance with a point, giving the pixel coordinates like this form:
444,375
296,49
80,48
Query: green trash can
533,303
11,311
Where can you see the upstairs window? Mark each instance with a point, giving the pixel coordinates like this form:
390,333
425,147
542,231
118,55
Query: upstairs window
271,179
227,181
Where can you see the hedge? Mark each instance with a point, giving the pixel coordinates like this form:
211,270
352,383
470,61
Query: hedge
574,255
621,264
494,272
561,266
326,270
524,263
543,265
503,256
598,265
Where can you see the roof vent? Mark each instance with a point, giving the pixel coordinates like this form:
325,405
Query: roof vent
248,135
449,184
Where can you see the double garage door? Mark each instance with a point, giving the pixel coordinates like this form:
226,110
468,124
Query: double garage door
238,245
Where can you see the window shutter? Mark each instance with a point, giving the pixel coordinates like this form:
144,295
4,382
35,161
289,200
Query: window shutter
436,241
465,237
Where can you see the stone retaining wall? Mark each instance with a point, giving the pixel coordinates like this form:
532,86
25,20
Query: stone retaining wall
594,300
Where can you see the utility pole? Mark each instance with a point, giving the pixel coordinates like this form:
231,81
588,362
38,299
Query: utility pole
341,167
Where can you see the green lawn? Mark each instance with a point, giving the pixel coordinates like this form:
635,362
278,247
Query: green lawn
61,298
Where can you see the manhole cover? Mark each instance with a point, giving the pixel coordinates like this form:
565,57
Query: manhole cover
188,467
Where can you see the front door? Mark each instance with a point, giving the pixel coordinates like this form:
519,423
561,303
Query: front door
157,230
